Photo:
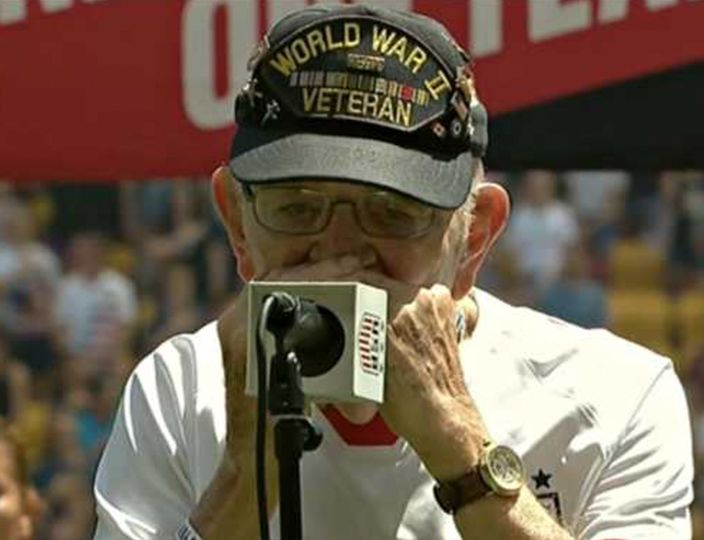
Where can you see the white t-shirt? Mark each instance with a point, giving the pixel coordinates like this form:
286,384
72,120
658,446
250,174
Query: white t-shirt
540,238
93,311
601,423
29,260
591,192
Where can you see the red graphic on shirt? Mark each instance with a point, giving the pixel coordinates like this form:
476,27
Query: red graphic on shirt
373,433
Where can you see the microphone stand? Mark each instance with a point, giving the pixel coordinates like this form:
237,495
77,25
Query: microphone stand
294,433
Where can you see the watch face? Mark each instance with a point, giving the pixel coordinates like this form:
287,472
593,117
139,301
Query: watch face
504,469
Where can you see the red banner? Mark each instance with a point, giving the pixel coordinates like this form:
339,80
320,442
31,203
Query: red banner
118,89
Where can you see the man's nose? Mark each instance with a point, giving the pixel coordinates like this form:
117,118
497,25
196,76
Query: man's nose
343,234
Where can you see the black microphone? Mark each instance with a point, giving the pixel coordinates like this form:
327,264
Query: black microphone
315,333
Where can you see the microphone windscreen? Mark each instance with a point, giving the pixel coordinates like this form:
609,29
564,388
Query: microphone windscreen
318,339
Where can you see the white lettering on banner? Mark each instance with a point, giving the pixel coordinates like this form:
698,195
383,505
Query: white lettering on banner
14,11
547,19
203,107
657,5
612,11
486,27
616,10
552,18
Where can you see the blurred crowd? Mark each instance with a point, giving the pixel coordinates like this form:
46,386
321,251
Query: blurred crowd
93,277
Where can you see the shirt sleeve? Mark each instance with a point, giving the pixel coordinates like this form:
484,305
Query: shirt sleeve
646,489
142,488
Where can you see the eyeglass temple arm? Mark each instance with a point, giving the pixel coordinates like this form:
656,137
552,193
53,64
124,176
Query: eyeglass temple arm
247,191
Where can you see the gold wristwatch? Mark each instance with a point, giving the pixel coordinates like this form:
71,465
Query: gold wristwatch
500,471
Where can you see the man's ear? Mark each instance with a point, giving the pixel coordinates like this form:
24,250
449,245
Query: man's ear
487,222
229,206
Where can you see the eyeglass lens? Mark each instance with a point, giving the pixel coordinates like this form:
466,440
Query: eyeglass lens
306,211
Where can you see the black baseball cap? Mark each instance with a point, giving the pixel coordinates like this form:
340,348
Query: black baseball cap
362,94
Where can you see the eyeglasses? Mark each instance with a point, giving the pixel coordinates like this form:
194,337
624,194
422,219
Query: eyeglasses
300,211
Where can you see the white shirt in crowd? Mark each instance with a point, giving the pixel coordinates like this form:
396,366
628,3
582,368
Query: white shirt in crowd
540,237
93,311
592,192
601,423
30,260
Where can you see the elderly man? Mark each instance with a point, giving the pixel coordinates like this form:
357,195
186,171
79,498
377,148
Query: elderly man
357,158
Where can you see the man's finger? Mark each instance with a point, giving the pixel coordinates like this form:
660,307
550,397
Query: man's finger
325,270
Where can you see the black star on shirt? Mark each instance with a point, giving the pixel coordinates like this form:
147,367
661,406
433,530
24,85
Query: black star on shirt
541,479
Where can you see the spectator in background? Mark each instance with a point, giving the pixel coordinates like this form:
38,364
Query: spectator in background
575,296
541,231
14,378
70,507
20,252
29,273
20,405
96,306
20,505
7,198
589,192
64,451
685,243
599,200
180,233
174,222
648,210
179,310
92,411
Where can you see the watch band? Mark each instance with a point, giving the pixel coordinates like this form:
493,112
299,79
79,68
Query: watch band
187,532
453,495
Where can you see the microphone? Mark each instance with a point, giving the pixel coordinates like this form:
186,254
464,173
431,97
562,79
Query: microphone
337,331
315,333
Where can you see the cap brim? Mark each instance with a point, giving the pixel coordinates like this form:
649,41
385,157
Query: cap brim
261,156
